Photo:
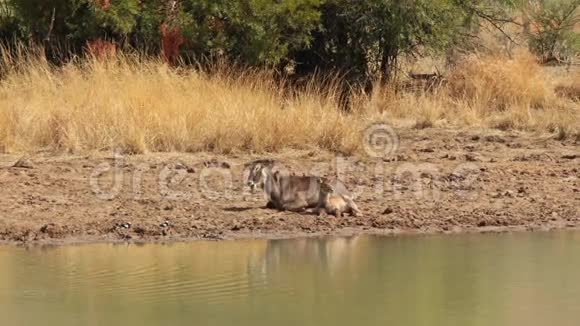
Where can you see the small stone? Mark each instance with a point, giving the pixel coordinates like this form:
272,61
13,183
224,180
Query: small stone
236,226
180,166
508,193
494,139
471,158
45,228
403,158
450,157
387,211
23,163
213,163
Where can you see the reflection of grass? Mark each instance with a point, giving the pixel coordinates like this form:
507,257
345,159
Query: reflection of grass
141,106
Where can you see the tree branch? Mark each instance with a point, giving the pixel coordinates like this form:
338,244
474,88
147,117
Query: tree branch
50,27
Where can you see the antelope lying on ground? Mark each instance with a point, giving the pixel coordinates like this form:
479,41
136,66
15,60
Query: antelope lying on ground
288,192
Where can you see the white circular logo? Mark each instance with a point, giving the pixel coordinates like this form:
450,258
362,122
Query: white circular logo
380,140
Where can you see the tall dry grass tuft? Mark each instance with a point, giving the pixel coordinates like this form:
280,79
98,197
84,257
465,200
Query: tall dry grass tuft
489,91
147,106
496,83
139,105
569,86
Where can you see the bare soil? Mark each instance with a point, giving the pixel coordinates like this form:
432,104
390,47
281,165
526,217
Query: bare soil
437,181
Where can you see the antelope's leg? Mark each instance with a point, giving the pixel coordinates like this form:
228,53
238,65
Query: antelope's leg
270,205
297,205
353,207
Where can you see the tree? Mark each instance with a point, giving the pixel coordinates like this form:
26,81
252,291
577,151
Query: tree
551,28
364,39
251,32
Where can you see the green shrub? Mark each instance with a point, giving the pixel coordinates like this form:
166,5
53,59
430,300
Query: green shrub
551,28
361,40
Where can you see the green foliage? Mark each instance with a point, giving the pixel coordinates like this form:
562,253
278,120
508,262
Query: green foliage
362,40
10,25
253,32
73,21
268,30
36,16
120,18
552,32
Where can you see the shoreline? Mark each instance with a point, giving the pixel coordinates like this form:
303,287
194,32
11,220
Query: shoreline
438,182
268,237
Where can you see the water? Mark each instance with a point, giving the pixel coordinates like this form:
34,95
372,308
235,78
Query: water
507,279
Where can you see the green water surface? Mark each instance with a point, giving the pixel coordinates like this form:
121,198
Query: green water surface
497,279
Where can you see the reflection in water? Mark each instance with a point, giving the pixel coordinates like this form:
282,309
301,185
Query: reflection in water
505,279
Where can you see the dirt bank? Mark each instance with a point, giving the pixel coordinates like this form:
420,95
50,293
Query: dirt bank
436,181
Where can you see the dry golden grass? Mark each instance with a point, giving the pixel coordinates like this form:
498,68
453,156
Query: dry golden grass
490,91
569,86
496,83
139,106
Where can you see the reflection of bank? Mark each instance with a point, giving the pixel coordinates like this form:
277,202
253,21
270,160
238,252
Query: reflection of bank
315,281
332,257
